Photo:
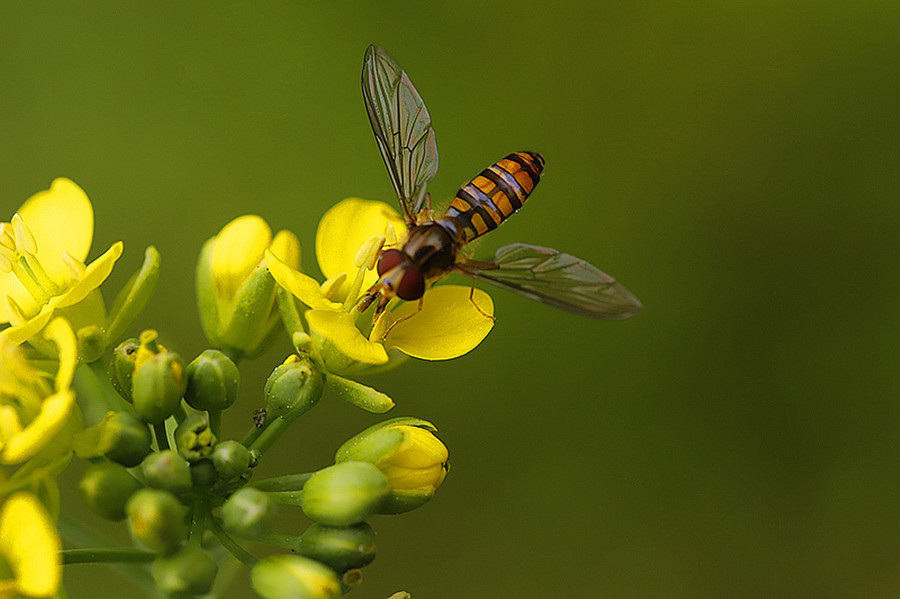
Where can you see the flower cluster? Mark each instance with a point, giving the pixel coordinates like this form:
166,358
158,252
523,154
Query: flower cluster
149,423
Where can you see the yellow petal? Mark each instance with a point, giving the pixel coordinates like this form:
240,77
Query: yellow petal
10,286
304,288
30,545
62,220
41,431
20,333
287,247
60,332
345,228
238,250
336,330
96,272
447,327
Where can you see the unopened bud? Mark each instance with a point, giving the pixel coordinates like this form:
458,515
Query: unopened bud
156,520
408,452
167,470
293,388
293,576
188,573
344,494
248,513
341,547
157,387
231,459
106,488
212,381
122,365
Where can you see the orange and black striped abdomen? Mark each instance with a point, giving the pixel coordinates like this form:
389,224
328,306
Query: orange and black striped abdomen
491,197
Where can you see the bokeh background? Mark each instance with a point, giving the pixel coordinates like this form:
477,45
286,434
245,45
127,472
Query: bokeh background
734,164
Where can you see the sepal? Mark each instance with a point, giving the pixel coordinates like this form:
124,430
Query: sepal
133,297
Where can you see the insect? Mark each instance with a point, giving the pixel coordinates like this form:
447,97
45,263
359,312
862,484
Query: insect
434,247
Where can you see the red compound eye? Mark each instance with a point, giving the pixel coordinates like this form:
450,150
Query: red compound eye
412,285
388,260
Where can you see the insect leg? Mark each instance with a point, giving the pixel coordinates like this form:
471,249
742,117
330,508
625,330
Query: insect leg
474,303
399,320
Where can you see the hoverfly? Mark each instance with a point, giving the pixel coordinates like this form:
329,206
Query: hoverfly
433,247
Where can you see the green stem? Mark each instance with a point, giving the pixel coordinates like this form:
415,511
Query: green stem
215,422
162,438
72,531
101,555
198,522
245,557
253,434
288,482
270,434
286,497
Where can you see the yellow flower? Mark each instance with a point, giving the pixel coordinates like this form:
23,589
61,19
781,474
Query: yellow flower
408,452
42,269
235,294
30,546
348,241
33,411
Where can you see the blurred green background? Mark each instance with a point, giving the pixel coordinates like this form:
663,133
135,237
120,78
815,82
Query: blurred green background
734,164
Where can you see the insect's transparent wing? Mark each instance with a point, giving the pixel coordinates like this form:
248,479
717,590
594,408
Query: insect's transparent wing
402,128
556,279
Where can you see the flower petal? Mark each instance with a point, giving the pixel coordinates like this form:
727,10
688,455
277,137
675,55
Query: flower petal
336,330
287,247
343,230
30,545
23,332
10,285
238,250
94,275
59,331
61,220
304,288
41,431
448,326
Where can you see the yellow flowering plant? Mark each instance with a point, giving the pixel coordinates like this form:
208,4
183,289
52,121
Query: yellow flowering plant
43,249
147,425
348,241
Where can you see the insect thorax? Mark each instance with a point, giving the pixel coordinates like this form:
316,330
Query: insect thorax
431,249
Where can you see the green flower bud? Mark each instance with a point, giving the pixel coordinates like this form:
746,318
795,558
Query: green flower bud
340,547
248,513
235,293
293,388
188,573
91,343
193,437
408,453
294,577
157,387
156,520
126,439
119,436
167,470
122,365
203,473
106,488
212,381
344,494
231,459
